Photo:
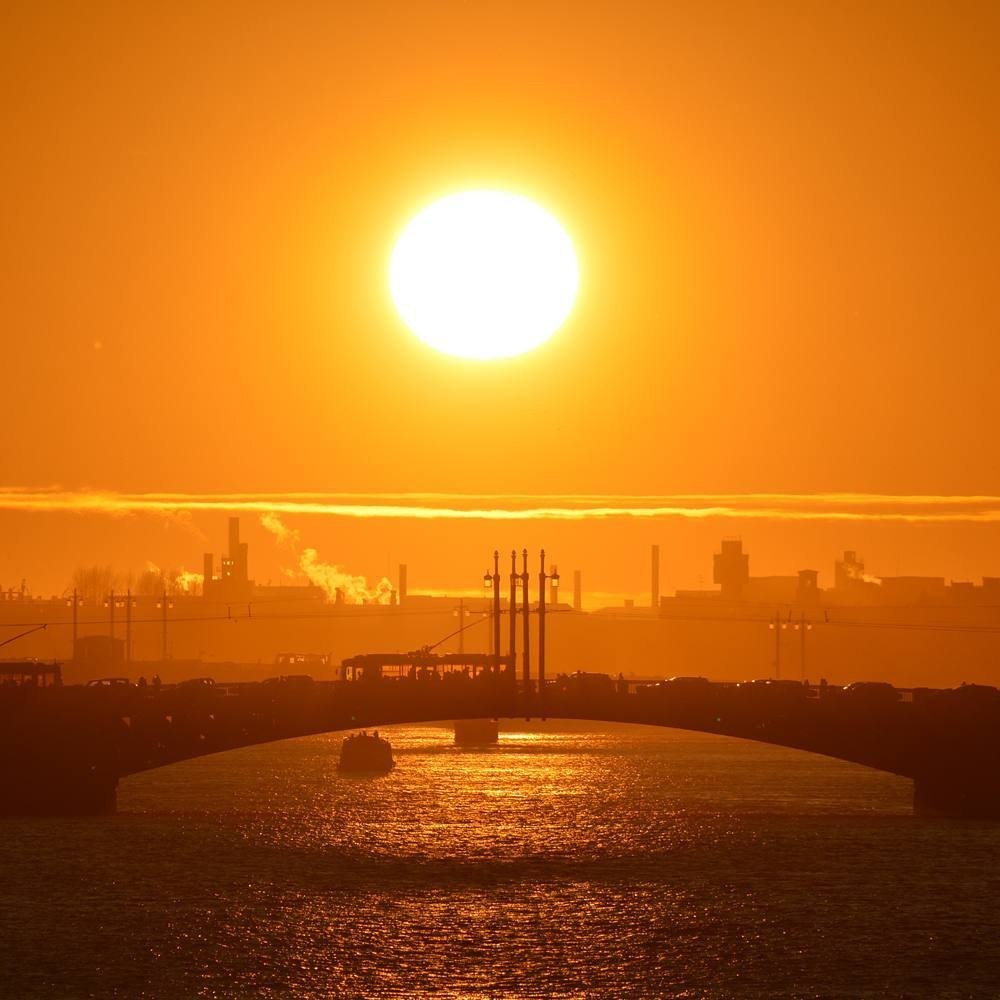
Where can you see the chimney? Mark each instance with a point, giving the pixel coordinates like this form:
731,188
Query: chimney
577,591
655,582
401,588
207,569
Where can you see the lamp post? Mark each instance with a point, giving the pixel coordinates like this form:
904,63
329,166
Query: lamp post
109,603
527,628
128,625
778,626
488,586
512,646
803,626
164,604
76,605
541,632
542,577
492,580
459,613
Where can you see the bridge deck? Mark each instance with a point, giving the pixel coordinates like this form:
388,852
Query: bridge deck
64,749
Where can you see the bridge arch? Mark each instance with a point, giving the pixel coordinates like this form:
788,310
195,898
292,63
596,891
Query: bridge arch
65,750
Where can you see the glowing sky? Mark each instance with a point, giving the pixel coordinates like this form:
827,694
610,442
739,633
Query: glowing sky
786,216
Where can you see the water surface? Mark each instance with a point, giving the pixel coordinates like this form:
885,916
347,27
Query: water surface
582,861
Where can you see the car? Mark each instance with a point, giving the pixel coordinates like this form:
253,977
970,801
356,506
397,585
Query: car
289,681
984,694
197,682
683,687
109,682
872,692
772,687
758,684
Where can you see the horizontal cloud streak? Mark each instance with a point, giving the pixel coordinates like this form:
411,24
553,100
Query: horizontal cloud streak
906,509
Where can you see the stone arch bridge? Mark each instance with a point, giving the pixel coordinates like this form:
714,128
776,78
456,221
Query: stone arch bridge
63,750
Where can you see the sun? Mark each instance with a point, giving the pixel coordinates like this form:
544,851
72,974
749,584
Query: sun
484,274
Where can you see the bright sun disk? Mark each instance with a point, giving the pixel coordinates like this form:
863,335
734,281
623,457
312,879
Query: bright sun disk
483,274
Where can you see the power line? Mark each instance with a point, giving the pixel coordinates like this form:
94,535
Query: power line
250,617
729,619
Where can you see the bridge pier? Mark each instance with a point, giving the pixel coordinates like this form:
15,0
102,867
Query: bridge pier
957,795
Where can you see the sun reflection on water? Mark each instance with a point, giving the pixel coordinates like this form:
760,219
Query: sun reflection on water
624,862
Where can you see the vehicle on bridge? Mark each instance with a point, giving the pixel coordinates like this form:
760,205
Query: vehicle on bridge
583,681
30,673
985,693
774,689
289,681
109,682
872,692
421,664
196,683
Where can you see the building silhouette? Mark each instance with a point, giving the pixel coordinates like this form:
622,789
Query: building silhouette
731,569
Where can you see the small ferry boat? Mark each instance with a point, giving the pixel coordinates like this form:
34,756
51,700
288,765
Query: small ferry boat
364,753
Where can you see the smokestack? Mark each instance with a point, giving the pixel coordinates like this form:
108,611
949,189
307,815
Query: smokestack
401,587
655,582
577,591
207,569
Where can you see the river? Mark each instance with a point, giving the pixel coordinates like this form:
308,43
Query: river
570,861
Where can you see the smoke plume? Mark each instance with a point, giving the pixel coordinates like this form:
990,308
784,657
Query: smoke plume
338,585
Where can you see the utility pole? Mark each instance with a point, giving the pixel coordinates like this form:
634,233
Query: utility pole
803,627
527,627
75,603
128,625
776,625
461,625
163,640
512,646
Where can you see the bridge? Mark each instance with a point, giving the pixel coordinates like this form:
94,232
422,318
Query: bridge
63,750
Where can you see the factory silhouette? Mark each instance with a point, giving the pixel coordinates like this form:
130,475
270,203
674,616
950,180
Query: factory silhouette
909,630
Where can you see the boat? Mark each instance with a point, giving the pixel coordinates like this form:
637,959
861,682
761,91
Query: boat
364,753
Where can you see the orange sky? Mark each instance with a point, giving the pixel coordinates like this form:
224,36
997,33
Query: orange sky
786,218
